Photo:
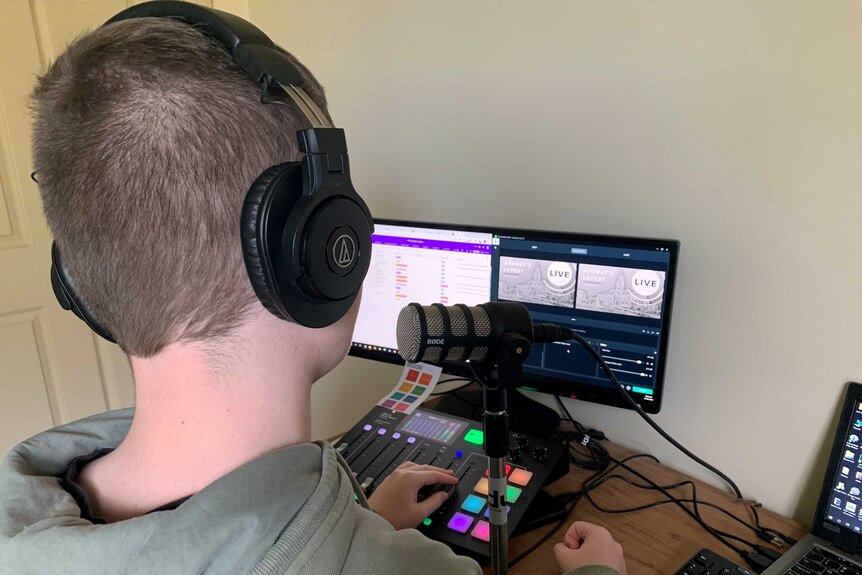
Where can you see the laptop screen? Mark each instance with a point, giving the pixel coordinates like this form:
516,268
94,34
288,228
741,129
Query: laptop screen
838,519
845,501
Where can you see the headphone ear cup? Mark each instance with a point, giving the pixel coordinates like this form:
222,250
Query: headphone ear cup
64,291
264,214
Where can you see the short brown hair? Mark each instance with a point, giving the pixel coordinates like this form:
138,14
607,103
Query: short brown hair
146,138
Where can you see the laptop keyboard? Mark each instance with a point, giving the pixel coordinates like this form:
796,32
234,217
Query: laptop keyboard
820,561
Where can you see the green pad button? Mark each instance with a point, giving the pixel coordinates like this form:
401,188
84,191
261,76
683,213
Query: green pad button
512,493
427,521
475,436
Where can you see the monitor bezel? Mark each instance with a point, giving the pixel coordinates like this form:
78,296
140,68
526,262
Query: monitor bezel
545,384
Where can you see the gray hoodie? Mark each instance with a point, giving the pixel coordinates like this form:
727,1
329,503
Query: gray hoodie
289,511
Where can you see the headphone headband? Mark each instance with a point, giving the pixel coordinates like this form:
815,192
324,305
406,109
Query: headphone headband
248,46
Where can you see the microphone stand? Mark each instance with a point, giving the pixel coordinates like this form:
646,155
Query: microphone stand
512,350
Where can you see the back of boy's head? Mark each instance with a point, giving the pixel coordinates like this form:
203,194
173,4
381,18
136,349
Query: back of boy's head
146,138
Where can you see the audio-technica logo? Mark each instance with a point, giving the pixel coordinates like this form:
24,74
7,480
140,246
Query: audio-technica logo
343,251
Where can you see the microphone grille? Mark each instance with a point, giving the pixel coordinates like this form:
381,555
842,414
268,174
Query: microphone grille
482,325
408,333
482,322
434,320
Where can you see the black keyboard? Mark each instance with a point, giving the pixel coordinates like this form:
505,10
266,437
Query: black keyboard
707,562
821,561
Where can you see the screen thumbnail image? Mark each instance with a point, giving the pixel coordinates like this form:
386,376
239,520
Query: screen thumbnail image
537,281
625,291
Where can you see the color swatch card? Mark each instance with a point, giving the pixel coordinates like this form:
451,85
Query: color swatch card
416,383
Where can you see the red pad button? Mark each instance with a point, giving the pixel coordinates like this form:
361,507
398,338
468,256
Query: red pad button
520,477
482,531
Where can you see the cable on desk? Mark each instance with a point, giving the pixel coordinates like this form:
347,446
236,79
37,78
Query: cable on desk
758,558
672,499
693,514
633,404
596,456
600,479
777,538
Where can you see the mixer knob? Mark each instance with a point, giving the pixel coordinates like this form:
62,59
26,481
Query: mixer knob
521,441
342,447
540,453
514,453
366,484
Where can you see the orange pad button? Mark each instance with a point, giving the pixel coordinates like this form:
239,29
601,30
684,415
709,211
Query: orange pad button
482,487
520,477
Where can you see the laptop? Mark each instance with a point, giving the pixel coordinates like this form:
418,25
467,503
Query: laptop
835,542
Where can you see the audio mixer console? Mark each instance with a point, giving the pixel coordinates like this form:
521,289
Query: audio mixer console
384,439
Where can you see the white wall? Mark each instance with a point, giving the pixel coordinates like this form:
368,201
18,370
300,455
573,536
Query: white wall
735,127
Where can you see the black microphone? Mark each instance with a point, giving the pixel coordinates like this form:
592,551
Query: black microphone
458,333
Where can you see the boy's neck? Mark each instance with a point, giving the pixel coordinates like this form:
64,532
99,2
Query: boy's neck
198,416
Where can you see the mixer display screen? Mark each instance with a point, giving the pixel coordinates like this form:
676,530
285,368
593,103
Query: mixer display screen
433,427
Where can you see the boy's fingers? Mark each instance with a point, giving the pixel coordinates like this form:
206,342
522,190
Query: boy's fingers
430,468
560,551
431,477
433,503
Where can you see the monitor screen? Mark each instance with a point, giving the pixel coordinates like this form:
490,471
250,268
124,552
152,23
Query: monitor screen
614,291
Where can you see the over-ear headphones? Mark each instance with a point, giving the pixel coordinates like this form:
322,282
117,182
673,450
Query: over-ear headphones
306,233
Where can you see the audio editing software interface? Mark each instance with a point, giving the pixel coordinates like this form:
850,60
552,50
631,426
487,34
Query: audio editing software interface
614,295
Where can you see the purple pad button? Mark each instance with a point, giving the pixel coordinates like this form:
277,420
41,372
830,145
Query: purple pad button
367,427
381,431
460,523
411,440
396,435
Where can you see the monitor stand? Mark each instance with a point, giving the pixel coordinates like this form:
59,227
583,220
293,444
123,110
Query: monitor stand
525,415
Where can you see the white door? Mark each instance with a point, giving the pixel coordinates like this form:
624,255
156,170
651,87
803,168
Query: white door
52,368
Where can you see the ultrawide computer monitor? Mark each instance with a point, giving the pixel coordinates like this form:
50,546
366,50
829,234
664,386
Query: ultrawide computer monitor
615,291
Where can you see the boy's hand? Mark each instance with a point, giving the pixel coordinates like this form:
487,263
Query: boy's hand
396,498
588,544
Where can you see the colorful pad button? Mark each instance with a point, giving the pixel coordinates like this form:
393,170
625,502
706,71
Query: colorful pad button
460,523
475,437
482,486
426,521
473,504
488,511
512,493
521,477
482,531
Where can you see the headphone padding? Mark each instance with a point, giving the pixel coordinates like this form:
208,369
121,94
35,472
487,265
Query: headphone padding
64,291
255,252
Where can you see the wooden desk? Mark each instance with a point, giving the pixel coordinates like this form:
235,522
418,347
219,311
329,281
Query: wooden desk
656,541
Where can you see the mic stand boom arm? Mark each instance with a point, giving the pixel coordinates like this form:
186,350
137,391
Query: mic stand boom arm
512,350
